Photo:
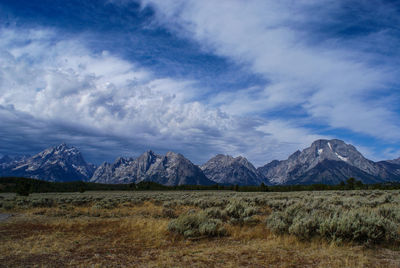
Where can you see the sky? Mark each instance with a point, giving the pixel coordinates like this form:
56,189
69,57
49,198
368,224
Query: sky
257,78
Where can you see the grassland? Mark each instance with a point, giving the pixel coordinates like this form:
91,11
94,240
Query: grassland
202,229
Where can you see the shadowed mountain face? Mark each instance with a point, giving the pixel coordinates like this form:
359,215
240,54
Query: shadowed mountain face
5,160
329,161
60,163
171,169
224,169
9,160
332,172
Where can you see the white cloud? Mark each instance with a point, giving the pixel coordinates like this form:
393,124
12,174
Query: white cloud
334,83
58,90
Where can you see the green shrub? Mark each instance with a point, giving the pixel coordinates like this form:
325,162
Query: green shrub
278,222
216,213
305,226
364,226
359,226
170,204
238,210
192,225
105,204
42,202
390,212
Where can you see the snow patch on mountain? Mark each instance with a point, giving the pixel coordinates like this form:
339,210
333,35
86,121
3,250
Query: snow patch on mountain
341,157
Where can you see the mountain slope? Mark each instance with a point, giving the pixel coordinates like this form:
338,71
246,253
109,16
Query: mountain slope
224,169
332,172
394,161
328,161
59,163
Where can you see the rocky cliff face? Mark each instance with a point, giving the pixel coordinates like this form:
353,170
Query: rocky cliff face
171,169
59,163
224,169
126,170
330,161
174,169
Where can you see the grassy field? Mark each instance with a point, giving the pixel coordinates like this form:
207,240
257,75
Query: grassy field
202,229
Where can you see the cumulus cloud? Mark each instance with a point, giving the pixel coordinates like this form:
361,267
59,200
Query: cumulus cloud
335,81
56,87
59,90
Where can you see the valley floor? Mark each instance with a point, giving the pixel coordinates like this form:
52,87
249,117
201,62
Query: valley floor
135,234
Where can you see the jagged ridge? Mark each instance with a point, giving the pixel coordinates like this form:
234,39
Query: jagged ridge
171,169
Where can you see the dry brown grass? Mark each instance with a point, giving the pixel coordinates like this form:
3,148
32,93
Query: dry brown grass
137,236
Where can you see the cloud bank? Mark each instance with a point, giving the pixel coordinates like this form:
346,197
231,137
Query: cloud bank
286,73
59,90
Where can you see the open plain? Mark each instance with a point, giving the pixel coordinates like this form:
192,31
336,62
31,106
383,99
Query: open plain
201,229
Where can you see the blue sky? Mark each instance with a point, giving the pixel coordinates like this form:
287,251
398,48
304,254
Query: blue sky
254,78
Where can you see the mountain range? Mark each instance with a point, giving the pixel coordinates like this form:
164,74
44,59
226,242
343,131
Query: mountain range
325,161
171,169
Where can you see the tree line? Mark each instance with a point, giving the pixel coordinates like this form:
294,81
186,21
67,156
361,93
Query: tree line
25,186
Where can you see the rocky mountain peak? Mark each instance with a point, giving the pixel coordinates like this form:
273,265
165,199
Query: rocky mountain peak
336,150
173,159
244,162
62,147
322,143
120,161
173,155
321,151
62,152
225,169
58,163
